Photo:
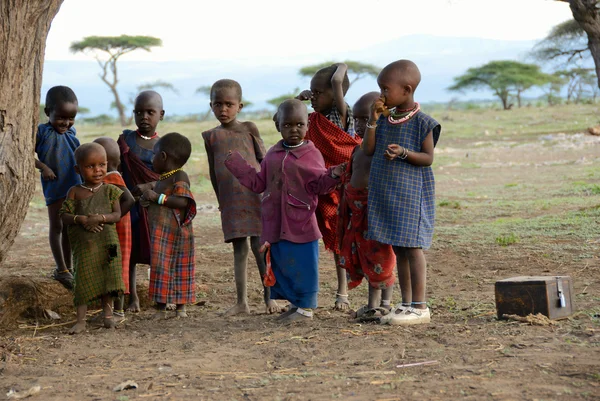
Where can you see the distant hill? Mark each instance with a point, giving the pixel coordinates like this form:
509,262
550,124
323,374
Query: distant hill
439,58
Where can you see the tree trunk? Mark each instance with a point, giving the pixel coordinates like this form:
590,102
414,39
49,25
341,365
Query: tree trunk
518,98
24,26
586,14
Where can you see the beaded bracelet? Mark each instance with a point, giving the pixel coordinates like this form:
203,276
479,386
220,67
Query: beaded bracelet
161,198
371,126
404,153
75,219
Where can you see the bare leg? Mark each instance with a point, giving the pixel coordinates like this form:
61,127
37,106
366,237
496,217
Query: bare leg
404,277
374,297
66,248
386,297
80,325
418,276
240,262
161,311
271,305
180,311
55,235
109,321
341,299
119,312
134,302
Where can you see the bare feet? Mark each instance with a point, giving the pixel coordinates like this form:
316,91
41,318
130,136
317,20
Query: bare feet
134,305
78,328
160,315
181,314
109,322
272,307
286,313
237,309
341,302
295,317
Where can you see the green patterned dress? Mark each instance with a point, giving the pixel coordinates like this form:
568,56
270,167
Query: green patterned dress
96,256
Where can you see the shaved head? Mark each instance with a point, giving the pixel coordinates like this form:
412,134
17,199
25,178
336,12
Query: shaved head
405,72
85,150
113,153
150,96
288,105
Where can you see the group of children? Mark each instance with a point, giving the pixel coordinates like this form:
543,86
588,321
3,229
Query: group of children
359,178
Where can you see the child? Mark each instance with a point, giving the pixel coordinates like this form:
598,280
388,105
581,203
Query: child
331,129
55,145
359,256
136,164
401,184
240,208
292,175
89,212
126,201
171,208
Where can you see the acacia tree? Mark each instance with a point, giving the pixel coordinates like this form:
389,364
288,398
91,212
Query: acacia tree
115,47
565,42
505,78
356,68
24,26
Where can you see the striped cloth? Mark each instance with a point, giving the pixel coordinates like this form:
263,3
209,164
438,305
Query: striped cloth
123,229
172,260
336,146
335,117
402,196
57,151
96,256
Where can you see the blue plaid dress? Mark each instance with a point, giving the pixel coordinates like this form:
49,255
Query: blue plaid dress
57,151
402,196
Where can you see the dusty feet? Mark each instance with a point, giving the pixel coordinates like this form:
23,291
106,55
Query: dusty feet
109,322
180,312
237,309
286,313
341,302
134,305
272,307
160,315
295,317
78,328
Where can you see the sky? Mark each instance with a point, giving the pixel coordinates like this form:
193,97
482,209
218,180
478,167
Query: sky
284,32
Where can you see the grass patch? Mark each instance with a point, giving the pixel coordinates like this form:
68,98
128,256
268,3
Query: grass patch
506,240
450,204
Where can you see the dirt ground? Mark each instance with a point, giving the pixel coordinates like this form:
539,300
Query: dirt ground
466,352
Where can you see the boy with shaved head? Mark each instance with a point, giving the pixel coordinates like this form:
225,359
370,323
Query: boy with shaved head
401,139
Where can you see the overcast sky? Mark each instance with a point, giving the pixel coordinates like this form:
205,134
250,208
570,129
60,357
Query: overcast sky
282,31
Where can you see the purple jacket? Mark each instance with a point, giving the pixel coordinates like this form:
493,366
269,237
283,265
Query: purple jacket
291,180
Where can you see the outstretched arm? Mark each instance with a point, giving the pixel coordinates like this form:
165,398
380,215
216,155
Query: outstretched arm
245,173
338,91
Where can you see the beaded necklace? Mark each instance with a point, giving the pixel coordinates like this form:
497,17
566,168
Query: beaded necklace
146,138
402,116
285,145
91,189
168,174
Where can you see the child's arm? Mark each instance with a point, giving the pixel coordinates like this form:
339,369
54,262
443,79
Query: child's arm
211,169
245,173
338,92
47,173
126,201
170,201
304,95
259,146
423,158
325,182
368,144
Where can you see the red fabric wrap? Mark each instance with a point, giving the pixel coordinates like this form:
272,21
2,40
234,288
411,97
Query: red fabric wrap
336,146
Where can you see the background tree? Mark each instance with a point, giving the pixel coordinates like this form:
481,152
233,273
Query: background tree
24,26
565,42
586,13
356,70
505,78
115,47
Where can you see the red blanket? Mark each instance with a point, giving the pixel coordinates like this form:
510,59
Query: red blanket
336,146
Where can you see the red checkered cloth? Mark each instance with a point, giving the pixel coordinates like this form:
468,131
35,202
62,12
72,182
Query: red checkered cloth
336,146
172,260
123,229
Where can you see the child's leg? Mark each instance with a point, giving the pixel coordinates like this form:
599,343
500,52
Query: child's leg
57,241
341,296
240,262
374,297
272,306
418,276
404,277
134,301
386,297
109,321
180,311
80,325
66,248
119,312
161,311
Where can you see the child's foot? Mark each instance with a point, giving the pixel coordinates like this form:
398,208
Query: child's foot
397,310
78,328
286,313
119,316
109,322
237,309
64,277
272,307
410,316
134,305
180,311
372,315
298,316
341,302
160,315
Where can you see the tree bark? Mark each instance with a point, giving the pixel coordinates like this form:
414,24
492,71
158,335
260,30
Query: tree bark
586,14
24,26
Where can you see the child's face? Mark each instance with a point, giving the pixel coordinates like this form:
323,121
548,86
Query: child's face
392,89
322,94
225,104
293,124
93,168
148,113
361,112
62,117
159,160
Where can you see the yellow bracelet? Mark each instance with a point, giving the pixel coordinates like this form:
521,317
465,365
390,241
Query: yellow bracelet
75,219
103,218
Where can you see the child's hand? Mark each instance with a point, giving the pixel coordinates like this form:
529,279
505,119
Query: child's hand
393,151
94,219
377,108
305,95
48,174
138,190
228,155
95,229
148,196
339,169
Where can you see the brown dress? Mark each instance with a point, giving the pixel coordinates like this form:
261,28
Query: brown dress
240,207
